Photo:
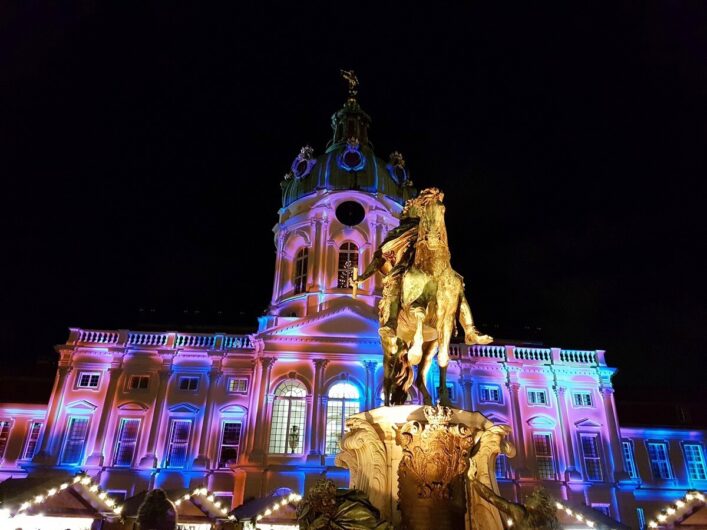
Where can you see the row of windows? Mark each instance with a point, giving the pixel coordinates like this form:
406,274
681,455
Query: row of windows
30,445
348,259
176,448
234,385
489,393
659,458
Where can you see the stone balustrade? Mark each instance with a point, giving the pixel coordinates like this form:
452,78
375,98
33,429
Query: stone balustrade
162,340
527,355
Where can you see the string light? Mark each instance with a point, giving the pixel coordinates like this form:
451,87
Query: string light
580,518
80,480
677,509
291,498
217,509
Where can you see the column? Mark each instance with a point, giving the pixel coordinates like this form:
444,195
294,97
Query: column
258,416
316,253
278,266
612,436
370,383
202,461
316,418
45,449
150,458
520,463
571,469
98,456
467,387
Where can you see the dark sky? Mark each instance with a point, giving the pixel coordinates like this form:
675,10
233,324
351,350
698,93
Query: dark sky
144,144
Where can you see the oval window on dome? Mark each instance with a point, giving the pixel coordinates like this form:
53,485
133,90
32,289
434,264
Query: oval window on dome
350,213
352,158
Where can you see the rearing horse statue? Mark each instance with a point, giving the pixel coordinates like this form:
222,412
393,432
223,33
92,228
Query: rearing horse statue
422,299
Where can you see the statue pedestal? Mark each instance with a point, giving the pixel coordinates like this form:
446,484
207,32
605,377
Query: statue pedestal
414,464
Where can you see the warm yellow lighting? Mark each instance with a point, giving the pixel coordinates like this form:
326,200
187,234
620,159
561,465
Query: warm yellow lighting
217,504
110,503
590,524
224,511
102,495
51,492
177,502
93,489
186,497
662,517
77,478
267,512
670,510
231,517
509,522
679,504
117,510
39,498
259,518
63,486
283,502
85,481
652,524
568,511
579,516
700,496
210,498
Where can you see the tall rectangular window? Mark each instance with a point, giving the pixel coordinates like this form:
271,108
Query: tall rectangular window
74,440
489,393
502,466
230,442
88,379
300,278
695,461
592,460
35,428
544,457
4,436
660,462
629,460
537,396
178,443
125,444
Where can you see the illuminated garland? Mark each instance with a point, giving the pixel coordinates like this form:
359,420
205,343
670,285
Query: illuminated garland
580,518
677,509
291,498
80,480
203,493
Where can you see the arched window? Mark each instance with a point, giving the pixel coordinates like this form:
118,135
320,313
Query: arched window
344,400
300,278
348,259
288,414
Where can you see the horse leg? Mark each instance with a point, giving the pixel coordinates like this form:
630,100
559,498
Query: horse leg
415,351
471,334
422,369
443,357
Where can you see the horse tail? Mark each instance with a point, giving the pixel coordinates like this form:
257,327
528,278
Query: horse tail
403,376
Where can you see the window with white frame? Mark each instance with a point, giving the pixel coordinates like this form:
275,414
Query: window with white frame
582,399
189,383
118,496
641,516
33,432
592,459
230,442
659,459
299,279
603,508
178,443
537,396
4,436
74,440
544,456
88,379
344,400
695,461
139,382
503,466
348,259
629,459
288,416
238,385
125,443
490,393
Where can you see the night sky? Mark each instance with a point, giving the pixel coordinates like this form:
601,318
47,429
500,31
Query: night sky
143,146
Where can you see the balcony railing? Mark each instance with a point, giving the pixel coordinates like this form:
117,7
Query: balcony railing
527,355
162,340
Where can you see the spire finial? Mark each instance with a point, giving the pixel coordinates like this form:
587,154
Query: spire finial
350,77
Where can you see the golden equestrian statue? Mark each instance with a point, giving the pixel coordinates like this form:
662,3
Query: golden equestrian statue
422,299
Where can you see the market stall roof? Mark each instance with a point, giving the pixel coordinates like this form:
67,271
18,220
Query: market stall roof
267,507
196,506
582,515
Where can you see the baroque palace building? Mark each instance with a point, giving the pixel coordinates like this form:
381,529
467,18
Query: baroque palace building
247,414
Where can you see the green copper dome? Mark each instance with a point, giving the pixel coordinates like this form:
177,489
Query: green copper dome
349,163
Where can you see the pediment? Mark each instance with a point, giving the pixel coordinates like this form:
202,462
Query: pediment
497,419
133,405
347,320
543,421
187,408
81,406
586,422
233,410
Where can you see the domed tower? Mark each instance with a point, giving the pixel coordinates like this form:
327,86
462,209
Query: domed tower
336,209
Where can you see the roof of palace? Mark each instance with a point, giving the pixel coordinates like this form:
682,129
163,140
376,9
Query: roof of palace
348,163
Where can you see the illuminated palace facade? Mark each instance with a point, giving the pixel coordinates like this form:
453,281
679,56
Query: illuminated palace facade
246,414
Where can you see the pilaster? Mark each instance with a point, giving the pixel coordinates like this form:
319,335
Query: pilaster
571,470
202,460
259,423
150,458
115,371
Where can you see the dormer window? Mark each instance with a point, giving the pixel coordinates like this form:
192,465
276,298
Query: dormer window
300,278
